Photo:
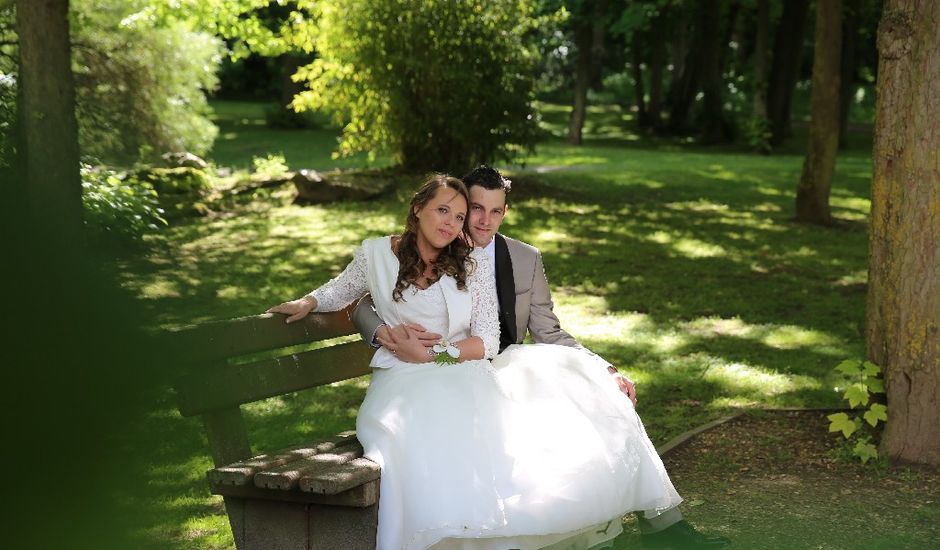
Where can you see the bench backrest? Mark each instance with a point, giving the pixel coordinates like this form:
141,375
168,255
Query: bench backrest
215,388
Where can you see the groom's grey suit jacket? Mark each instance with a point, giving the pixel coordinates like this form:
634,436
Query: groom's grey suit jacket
525,301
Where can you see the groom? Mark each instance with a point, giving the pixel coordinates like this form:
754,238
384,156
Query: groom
525,305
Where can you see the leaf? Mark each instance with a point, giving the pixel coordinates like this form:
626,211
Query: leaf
875,413
849,367
870,369
876,385
857,394
865,451
840,422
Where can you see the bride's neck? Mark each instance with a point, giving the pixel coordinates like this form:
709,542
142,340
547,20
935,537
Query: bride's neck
426,251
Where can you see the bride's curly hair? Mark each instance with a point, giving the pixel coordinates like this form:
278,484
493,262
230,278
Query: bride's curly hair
452,260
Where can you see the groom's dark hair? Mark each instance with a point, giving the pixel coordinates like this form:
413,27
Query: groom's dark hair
487,178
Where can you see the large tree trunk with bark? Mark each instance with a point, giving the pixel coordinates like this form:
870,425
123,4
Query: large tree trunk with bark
47,129
903,310
812,196
852,20
788,50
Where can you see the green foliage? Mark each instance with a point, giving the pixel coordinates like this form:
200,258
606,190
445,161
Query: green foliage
181,191
757,133
140,83
271,166
862,377
7,118
265,27
437,84
121,207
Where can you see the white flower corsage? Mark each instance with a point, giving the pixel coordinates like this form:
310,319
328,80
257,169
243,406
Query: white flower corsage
444,353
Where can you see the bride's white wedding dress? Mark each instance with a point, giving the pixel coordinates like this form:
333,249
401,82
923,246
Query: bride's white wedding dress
538,448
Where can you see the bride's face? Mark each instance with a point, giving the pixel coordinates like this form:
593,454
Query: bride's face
441,219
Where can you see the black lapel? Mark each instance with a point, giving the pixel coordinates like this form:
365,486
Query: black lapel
506,293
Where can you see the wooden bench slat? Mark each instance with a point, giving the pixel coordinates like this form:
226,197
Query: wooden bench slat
242,472
341,478
225,386
219,340
361,496
287,476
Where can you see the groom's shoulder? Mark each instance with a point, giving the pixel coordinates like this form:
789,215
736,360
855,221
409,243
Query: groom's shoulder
517,247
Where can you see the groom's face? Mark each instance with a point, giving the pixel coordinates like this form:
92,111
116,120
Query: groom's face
487,209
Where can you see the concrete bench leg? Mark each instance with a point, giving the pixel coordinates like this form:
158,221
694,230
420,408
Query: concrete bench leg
274,525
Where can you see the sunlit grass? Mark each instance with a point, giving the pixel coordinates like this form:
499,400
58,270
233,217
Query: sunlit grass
681,265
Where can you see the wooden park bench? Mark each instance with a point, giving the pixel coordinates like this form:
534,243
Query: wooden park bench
313,495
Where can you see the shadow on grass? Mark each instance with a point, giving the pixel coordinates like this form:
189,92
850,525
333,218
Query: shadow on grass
679,265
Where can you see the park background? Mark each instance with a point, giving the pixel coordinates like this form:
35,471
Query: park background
698,176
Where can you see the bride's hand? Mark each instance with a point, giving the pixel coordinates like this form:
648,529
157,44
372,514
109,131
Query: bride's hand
295,309
625,384
408,342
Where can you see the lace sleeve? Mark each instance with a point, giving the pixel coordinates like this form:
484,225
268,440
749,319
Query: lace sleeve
345,288
484,312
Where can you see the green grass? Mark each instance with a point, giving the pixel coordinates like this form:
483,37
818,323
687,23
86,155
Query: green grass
680,264
244,135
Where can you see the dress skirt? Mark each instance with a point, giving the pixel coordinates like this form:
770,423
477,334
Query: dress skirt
537,449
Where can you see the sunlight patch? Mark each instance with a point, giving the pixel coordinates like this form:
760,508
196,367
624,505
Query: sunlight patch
694,248
160,288
741,377
228,292
551,235
791,337
859,277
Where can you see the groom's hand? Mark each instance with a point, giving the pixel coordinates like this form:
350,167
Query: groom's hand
409,342
385,332
625,384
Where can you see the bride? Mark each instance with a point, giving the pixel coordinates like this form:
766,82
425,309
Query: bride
531,448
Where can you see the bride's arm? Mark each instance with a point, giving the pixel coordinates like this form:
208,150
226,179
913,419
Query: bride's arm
484,311
338,293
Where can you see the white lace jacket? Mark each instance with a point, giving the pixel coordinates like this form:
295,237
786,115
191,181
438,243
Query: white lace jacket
374,270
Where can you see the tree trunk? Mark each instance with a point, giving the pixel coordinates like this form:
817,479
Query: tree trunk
582,76
847,83
788,49
657,63
760,58
903,309
715,128
636,69
47,129
812,196
589,39
686,84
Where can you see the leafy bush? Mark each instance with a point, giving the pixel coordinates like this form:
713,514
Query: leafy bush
271,166
180,191
140,81
862,381
438,84
757,133
140,85
7,118
125,208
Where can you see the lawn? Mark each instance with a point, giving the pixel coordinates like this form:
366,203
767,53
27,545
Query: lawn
679,264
